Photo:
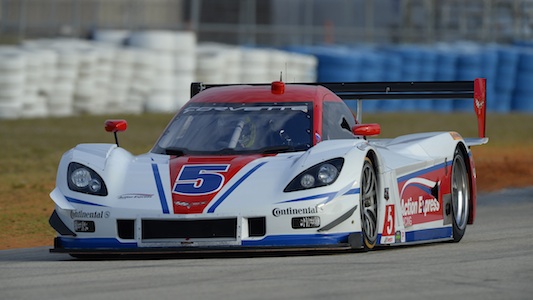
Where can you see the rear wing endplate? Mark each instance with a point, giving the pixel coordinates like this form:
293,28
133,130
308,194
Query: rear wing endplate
443,90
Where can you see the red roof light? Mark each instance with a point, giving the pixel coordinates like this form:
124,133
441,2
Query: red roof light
278,87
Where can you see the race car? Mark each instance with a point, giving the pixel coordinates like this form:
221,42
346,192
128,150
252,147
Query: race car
270,167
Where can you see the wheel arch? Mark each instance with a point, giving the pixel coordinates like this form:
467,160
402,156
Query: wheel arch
467,155
372,155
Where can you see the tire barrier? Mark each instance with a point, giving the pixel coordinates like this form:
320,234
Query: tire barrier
119,71
150,71
508,69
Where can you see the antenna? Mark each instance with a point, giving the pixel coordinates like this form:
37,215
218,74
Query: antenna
281,76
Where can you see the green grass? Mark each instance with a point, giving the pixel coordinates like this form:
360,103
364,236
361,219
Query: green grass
31,149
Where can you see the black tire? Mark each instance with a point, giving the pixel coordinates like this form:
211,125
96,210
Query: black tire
460,190
369,205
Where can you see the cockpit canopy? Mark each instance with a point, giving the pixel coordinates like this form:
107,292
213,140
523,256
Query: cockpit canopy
225,128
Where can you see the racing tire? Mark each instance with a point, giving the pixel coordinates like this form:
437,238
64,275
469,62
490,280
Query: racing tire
369,205
460,191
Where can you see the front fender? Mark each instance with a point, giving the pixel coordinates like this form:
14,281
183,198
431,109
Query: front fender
107,160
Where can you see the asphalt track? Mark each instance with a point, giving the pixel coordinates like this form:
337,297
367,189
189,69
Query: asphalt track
493,261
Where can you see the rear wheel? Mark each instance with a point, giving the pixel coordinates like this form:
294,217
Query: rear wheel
460,187
369,205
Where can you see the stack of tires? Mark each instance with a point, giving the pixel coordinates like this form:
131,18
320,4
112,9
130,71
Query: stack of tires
12,82
60,102
221,63
34,101
141,82
121,67
255,66
523,93
301,68
212,61
506,74
174,63
103,83
86,98
446,69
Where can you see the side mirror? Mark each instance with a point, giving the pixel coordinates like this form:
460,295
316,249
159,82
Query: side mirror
115,126
366,129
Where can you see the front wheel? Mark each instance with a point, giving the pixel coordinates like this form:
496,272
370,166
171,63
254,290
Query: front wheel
460,186
369,205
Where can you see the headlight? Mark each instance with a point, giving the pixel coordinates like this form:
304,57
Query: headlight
85,180
322,174
327,173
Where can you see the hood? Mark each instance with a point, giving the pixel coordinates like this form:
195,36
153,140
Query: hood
196,181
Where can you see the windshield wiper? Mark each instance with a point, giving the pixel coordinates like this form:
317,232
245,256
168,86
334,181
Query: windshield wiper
176,151
283,148
276,149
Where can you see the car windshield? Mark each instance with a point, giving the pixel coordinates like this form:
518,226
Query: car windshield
225,128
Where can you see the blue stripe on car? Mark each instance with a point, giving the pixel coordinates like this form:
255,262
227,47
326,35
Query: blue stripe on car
93,243
424,171
77,201
329,196
428,234
231,189
299,240
160,189
353,191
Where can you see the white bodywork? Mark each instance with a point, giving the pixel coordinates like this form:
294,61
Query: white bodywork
140,188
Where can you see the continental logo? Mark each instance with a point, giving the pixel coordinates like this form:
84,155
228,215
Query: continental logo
276,212
80,214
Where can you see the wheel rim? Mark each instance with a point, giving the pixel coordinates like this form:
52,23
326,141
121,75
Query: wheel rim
369,207
460,192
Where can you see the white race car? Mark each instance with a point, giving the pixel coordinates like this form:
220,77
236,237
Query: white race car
272,167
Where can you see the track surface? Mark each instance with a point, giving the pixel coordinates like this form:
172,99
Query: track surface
493,261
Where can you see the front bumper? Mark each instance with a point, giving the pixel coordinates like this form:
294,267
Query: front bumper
171,235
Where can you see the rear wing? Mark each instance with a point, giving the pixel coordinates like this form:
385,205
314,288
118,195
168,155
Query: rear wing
422,90
434,90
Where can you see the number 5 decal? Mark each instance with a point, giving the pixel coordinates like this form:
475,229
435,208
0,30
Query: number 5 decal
388,226
198,180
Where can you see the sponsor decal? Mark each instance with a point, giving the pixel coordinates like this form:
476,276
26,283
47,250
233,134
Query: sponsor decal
418,202
302,108
188,205
80,214
456,136
136,196
479,104
84,226
197,181
388,225
305,222
414,209
276,212
318,137
387,240
387,234
398,237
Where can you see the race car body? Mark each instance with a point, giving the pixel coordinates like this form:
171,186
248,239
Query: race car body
271,167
